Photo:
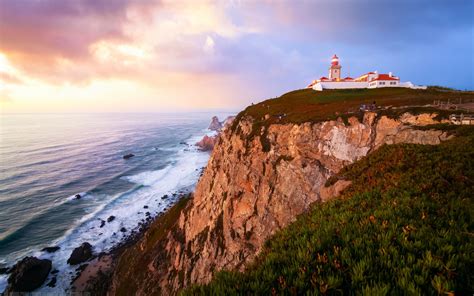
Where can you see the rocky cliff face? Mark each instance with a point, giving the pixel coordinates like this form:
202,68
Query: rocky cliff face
255,185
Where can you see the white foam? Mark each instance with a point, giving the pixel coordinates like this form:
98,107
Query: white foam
3,282
128,208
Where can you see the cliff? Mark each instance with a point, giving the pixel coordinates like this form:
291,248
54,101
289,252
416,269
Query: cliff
261,175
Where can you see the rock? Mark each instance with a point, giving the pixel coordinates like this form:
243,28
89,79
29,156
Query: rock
145,207
28,274
147,214
252,187
78,196
5,270
215,124
165,196
54,271
228,121
52,283
110,219
207,143
127,156
102,223
80,254
123,229
50,249
334,190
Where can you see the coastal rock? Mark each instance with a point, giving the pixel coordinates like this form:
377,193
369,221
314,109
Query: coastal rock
110,219
52,283
207,143
256,183
127,156
80,254
28,274
78,196
102,223
228,122
334,190
215,124
50,249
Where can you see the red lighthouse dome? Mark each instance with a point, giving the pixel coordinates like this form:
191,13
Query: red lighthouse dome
335,60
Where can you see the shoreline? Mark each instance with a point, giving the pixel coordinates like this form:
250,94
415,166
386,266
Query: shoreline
97,275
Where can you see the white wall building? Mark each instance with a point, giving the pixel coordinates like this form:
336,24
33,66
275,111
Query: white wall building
368,80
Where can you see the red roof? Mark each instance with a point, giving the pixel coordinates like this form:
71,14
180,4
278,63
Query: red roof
323,78
385,77
348,78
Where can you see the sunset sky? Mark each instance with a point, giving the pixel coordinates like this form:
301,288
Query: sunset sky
161,56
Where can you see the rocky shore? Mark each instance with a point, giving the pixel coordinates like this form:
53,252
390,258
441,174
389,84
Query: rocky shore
94,271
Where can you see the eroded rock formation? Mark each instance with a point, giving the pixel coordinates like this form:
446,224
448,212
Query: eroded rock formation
255,184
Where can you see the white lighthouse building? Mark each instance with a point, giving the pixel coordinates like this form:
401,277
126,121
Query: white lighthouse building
335,69
368,80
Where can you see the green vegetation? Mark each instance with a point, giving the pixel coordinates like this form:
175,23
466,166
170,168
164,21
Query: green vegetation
307,105
404,227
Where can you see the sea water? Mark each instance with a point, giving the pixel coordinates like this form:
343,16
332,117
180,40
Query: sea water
46,159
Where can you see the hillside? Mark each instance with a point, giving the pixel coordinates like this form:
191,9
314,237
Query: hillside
307,105
403,227
268,168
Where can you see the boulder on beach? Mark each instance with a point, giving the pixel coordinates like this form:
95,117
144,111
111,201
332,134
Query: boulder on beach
78,196
52,283
28,274
207,143
215,124
80,254
127,156
102,223
110,219
50,249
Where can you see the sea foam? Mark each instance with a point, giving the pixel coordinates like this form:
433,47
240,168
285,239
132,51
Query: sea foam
128,207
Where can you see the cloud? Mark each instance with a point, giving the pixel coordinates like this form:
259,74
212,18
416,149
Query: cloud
238,49
209,45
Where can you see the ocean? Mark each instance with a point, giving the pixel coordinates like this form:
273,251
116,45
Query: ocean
47,159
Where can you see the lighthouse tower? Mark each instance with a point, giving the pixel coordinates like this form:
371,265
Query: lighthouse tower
335,69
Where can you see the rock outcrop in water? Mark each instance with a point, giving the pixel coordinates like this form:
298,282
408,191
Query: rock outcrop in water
207,143
80,254
255,183
215,124
28,274
51,249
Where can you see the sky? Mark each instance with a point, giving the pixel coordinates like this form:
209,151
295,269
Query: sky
167,56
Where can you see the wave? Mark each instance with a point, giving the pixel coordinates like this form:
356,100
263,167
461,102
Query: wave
153,192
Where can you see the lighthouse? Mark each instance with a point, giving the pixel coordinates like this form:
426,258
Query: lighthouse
335,69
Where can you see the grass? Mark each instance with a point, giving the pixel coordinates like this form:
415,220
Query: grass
307,105
404,227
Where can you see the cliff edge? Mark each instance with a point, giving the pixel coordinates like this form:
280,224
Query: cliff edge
264,171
